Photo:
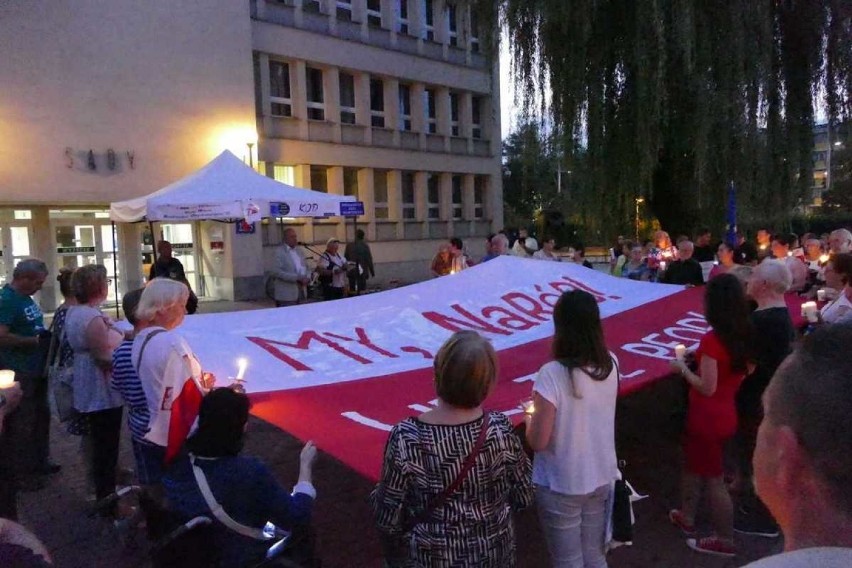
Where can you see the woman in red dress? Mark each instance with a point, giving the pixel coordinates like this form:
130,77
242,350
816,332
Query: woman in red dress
722,359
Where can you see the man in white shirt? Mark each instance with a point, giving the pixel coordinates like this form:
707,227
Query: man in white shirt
525,246
803,458
290,278
840,241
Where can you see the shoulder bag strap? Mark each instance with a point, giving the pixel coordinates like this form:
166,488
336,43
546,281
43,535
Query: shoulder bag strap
144,345
217,509
451,489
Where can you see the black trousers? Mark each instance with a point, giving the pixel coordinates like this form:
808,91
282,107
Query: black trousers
8,479
331,293
103,440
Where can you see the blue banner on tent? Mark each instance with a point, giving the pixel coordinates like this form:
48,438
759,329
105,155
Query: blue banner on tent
351,208
279,209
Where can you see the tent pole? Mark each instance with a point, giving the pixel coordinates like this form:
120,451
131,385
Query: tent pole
153,240
115,268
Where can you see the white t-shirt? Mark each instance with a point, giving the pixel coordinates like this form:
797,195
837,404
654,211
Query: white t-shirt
837,311
580,456
330,261
518,249
166,364
542,255
817,557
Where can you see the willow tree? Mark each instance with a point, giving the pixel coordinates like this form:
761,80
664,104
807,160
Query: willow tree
671,100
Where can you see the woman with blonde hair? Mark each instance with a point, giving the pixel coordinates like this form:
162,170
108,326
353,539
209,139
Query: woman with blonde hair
452,476
91,335
169,371
572,431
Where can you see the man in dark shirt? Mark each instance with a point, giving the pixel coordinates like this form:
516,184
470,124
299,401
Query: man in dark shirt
686,270
169,267
359,253
773,338
705,251
745,252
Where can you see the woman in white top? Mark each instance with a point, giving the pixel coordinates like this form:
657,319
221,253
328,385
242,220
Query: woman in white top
838,275
91,335
572,431
170,374
546,252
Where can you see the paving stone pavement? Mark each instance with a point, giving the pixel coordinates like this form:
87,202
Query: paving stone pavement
647,438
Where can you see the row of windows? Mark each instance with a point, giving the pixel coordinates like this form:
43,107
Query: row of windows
280,96
381,208
448,18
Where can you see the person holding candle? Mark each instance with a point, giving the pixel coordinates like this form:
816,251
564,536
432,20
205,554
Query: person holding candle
170,373
91,335
572,432
244,487
838,275
458,259
24,350
722,358
442,262
452,477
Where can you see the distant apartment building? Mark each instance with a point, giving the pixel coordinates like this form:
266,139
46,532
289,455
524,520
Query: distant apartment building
394,101
827,144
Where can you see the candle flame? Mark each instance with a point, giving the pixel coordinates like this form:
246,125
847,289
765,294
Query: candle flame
824,258
242,363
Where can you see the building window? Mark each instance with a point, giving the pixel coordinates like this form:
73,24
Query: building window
377,103
402,21
427,16
433,196
374,13
408,192
404,107
474,30
344,10
454,114
279,88
457,196
316,106
350,182
312,6
380,194
452,24
319,178
430,111
476,117
347,98
284,174
479,197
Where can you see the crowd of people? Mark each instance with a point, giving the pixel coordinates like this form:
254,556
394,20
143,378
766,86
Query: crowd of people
764,438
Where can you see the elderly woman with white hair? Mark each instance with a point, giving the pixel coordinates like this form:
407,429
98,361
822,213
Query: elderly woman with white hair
91,335
170,373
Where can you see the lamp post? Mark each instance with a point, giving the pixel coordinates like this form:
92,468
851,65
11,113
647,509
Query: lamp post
638,201
251,154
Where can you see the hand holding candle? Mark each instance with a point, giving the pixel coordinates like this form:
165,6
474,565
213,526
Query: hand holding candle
810,312
7,378
529,406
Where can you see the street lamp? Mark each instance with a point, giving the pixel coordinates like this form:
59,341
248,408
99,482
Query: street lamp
251,155
638,201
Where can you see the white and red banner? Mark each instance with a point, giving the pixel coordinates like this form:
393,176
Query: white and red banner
343,372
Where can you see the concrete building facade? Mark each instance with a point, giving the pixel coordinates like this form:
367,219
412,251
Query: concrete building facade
390,100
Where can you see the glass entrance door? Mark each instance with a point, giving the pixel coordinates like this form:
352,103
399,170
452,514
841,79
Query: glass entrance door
15,245
182,238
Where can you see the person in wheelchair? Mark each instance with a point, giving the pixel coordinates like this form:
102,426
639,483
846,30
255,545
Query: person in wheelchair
244,488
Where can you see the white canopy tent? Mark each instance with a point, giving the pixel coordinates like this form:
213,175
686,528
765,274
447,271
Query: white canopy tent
227,189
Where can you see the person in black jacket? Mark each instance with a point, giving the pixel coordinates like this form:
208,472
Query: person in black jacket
359,253
167,266
685,270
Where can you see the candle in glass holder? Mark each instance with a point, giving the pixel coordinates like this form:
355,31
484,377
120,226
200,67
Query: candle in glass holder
821,295
662,265
7,377
810,311
680,351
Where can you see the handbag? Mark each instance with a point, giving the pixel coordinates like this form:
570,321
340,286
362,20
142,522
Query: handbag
60,380
396,547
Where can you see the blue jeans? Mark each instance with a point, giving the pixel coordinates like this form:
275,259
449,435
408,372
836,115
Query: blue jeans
574,527
149,461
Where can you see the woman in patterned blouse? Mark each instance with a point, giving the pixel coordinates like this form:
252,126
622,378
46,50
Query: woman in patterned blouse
424,455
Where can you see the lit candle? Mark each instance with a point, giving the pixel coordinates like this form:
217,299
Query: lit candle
529,407
241,365
821,295
810,311
823,259
662,265
6,379
680,351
